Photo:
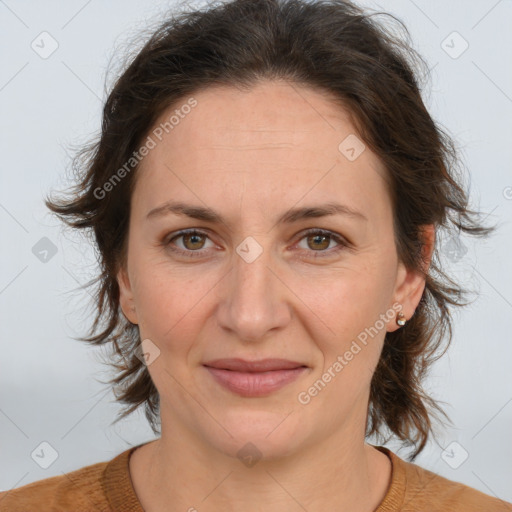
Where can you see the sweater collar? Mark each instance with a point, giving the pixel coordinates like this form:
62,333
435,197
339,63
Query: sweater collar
117,484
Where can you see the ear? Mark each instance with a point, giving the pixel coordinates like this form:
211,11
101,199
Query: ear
410,284
126,299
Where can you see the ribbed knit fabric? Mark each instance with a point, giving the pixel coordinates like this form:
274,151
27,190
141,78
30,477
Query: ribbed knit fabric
107,487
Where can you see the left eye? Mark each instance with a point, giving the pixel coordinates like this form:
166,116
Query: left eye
321,240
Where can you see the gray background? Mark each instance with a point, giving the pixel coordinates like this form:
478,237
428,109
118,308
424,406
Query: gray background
49,387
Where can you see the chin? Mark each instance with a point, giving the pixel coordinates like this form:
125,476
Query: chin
263,435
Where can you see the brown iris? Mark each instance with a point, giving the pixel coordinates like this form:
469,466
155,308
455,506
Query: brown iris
195,239
319,238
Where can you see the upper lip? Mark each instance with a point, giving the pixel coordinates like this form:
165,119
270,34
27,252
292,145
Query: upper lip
262,365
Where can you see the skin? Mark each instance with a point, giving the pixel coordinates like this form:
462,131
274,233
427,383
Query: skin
251,156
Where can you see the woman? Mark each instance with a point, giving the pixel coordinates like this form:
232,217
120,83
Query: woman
265,199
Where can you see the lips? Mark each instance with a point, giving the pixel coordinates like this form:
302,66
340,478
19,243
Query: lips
254,378
263,365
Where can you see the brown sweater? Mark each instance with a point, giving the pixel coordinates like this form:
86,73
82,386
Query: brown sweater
106,486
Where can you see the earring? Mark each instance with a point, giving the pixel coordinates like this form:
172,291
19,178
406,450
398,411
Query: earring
400,319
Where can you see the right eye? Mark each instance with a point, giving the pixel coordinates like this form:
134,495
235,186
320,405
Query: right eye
192,241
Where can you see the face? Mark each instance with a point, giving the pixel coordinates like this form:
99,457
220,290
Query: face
262,275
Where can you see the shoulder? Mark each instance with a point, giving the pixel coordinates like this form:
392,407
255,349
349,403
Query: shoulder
428,487
79,490
417,488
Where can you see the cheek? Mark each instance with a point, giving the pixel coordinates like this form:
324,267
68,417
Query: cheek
169,304
350,355
350,299
354,305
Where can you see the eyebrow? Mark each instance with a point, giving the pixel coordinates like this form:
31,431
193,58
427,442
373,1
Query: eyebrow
293,215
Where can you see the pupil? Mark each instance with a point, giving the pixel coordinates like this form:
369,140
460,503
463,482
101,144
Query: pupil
319,238
194,238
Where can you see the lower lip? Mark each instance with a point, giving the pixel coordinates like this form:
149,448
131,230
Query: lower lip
256,383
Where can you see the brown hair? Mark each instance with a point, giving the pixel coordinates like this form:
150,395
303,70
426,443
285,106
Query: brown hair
330,45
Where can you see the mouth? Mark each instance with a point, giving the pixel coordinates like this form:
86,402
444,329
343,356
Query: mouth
254,378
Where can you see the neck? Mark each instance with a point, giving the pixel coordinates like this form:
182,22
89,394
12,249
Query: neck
177,473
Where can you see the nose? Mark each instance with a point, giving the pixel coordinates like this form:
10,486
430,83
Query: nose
254,300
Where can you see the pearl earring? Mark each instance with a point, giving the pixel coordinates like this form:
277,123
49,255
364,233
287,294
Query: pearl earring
400,319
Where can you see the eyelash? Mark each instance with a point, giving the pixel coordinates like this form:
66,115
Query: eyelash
342,243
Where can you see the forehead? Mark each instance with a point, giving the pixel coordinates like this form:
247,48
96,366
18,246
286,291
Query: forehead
269,112
277,140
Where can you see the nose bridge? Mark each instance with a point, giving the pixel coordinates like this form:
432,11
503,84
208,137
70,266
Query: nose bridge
254,302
